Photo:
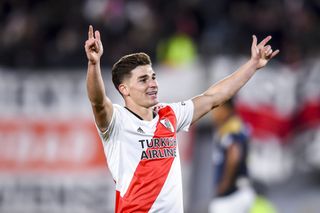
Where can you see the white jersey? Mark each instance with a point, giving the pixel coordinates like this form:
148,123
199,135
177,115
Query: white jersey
143,158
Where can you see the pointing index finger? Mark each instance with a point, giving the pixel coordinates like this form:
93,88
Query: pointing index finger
90,32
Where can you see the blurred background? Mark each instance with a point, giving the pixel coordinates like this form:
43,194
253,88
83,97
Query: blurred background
51,158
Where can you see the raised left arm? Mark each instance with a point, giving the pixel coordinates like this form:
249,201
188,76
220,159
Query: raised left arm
223,90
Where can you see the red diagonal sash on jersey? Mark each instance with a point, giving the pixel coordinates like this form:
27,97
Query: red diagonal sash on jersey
150,175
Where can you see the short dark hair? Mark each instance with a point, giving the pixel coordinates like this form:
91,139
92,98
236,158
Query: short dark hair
122,68
230,103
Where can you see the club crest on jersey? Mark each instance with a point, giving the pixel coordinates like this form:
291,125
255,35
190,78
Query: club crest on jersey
166,123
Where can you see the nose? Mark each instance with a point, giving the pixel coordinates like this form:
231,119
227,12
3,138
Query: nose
153,83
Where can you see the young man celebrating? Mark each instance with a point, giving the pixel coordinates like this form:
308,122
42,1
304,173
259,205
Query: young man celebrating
139,139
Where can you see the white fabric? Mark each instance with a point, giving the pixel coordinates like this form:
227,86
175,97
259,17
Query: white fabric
124,142
240,201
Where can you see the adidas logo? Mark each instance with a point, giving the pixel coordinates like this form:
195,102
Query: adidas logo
140,130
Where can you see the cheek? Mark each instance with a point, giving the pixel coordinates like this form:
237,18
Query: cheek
138,91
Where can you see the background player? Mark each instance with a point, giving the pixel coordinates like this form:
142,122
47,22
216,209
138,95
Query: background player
233,191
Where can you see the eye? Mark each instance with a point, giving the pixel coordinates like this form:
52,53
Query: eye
143,80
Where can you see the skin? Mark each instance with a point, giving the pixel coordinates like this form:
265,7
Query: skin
141,97
141,91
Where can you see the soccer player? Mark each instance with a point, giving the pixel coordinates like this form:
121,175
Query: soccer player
233,191
139,139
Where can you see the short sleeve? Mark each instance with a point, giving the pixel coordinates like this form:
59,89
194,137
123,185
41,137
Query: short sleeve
184,113
113,127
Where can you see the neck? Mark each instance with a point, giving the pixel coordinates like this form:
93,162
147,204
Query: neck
143,112
221,123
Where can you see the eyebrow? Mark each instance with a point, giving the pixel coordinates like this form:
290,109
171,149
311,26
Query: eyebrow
146,76
142,76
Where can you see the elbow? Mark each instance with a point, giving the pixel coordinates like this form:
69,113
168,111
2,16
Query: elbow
98,103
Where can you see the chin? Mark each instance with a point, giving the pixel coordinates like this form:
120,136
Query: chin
154,102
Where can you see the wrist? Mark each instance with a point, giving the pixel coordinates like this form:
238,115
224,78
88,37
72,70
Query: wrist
93,63
254,63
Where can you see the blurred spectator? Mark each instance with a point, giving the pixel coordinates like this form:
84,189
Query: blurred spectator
37,28
177,50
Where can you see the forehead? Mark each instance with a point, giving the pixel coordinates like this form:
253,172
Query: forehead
142,70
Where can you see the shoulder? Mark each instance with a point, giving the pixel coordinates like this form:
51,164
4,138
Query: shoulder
119,109
175,105
119,112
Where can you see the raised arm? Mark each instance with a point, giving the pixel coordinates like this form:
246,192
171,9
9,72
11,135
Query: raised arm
223,90
101,104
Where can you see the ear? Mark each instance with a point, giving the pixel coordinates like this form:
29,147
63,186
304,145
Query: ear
124,89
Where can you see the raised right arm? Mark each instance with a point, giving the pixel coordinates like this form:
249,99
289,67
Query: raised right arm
101,105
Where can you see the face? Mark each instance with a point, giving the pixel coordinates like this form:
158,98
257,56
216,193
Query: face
142,86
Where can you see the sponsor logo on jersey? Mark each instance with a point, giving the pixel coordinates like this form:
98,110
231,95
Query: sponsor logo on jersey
156,148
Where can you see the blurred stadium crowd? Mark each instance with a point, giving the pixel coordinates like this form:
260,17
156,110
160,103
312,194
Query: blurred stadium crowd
51,33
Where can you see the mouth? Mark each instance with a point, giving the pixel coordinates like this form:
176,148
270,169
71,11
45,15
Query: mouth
152,94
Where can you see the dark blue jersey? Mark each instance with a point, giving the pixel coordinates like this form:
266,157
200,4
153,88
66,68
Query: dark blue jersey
232,132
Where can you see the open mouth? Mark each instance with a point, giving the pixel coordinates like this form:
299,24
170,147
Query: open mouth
152,93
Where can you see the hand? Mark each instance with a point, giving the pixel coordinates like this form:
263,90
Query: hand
262,53
93,46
